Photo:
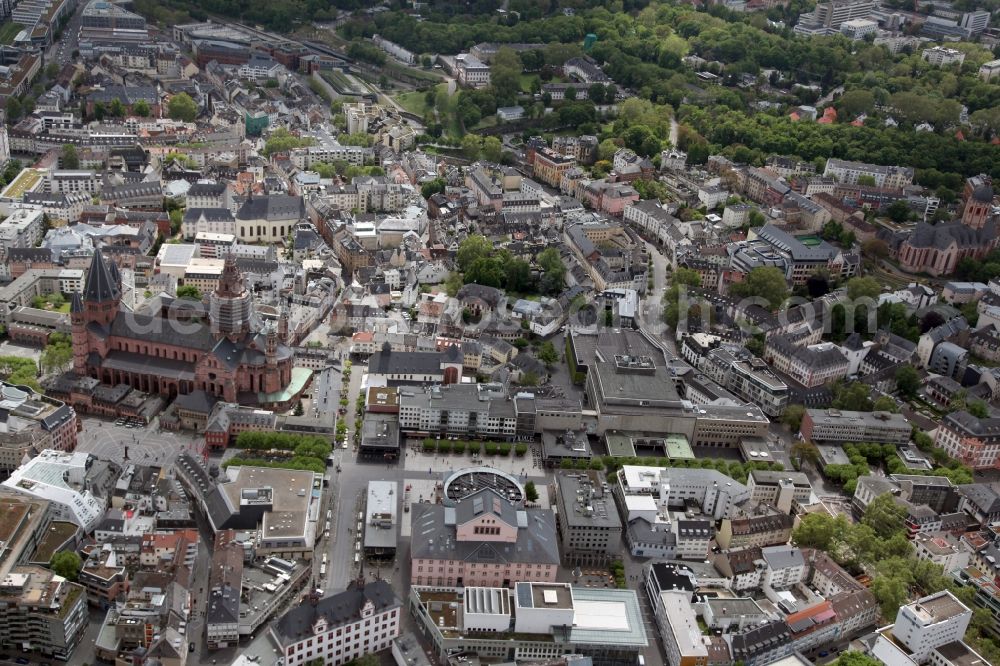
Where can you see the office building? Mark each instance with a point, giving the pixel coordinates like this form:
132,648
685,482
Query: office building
589,526
835,425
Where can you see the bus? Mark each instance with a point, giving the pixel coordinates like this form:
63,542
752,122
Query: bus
324,558
322,570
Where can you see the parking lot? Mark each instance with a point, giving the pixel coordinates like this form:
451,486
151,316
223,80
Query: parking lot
107,439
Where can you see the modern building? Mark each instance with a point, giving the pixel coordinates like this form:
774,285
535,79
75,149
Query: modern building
31,422
340,628
76,485
485,538
283,506
835,425
25,525
718,495
381,522
535,621
42,612
779,489
589,526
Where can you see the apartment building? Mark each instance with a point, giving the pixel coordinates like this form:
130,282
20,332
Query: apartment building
549,166
895,177
747,376
225,583
762,527
834,425
42,610
334,630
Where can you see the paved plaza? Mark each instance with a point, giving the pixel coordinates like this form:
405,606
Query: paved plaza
145,445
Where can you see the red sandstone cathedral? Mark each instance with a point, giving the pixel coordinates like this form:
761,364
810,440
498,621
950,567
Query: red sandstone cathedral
226,349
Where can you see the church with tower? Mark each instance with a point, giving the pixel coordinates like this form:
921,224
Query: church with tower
171,347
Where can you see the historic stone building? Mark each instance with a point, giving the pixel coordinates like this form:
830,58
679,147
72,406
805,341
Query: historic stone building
166,350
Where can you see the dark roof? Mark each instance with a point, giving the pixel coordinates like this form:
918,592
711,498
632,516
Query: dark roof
338,610
206,190
273,207
102,284
210,214
387,362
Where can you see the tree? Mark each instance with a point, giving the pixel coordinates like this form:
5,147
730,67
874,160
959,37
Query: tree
116,108
57,354
863,287
885,404
792,416
855,102
530,492
854,396
492,149
818,530
472,145
766,282
885,516
505,75
875,249
432,187
70,159
553,270
67,564
189,291
52,70
182,107
907,381
141,108
898,211
472,248
804,452
547,353
606,150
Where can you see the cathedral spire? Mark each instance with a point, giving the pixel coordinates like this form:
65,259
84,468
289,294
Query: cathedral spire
102,285
231,280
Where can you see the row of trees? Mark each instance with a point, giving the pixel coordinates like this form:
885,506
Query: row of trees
502,449
300,445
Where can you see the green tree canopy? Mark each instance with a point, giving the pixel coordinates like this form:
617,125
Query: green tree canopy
766,282
66,563
182,107
69,157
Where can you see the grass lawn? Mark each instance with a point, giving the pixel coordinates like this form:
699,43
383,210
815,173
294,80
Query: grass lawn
488,121
415,102
8,31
